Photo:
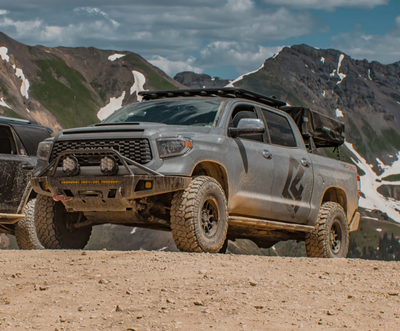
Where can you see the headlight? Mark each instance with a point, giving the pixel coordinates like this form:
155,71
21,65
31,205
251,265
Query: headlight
173,146
43,150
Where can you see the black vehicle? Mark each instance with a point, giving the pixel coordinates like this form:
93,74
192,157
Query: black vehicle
19,140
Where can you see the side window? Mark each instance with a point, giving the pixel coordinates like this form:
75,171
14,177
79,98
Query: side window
279,129
244,111
7,145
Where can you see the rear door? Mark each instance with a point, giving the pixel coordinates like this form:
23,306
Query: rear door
251,188
15,169
293,174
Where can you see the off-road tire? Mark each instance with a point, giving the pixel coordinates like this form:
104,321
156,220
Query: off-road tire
25,230
50,220
331,220
191,230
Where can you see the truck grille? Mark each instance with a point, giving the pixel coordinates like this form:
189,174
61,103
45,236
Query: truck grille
135,149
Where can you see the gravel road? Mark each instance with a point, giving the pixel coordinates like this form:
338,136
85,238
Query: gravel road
138,290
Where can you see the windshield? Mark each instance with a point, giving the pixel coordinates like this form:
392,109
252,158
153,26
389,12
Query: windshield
169,111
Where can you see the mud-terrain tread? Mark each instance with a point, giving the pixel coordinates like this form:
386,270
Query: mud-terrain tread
50,224
44,215
316,242
25,230
183,218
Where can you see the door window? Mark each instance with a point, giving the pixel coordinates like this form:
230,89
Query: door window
279,129
7,145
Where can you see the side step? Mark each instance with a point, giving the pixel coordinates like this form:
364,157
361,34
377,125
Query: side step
268,225
10,218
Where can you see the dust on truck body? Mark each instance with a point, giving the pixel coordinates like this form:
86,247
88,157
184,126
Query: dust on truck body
208,165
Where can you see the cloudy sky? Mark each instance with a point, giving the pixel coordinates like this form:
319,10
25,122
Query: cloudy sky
222,38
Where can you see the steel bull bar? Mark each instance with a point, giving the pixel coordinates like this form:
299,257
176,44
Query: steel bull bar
104,193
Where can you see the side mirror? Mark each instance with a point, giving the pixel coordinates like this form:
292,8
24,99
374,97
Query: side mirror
247,126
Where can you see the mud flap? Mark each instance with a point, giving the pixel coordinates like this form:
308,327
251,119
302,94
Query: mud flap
355,222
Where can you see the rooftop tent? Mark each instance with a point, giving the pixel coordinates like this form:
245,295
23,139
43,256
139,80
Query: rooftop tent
325,131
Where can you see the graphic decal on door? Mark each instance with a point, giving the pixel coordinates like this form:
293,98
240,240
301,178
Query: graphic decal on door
293,189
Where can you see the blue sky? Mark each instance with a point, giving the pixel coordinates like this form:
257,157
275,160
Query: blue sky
222,38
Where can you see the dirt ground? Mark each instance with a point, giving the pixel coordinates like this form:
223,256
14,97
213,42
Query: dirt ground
138,290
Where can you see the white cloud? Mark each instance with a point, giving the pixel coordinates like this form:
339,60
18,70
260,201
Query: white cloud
3,12
240,5
382,48
243,56
173,67
96,11
327,4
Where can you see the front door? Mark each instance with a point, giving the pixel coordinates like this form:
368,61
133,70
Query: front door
251,189
15,170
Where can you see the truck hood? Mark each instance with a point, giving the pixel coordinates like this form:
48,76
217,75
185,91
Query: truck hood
139,130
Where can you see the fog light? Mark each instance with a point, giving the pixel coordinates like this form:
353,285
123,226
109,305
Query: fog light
70,166
108,166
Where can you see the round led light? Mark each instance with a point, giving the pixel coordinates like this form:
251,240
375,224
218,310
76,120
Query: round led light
108,165
70,166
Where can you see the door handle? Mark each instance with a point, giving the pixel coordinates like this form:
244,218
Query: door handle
27,166
305,163
267,154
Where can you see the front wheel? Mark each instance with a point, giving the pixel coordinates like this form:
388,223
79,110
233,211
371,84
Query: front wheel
330,238
25,230
199,216
53,224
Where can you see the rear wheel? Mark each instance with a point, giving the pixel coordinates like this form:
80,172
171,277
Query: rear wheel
25,230
330,238
53,224
199,216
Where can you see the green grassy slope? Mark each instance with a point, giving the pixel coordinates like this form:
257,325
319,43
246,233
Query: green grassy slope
62,91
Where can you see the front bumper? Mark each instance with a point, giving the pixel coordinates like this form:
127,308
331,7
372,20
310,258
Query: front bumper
106,193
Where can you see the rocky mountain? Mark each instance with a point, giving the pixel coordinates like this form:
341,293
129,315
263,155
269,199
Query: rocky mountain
193,80
67,87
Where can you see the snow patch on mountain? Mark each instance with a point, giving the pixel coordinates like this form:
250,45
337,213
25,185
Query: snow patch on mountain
338,113
137,86
323,93
115,56
370,182
341,75
369,74
274,56
3,103
111,107
333,73
398,102
25,83
3,54
241,77
322,59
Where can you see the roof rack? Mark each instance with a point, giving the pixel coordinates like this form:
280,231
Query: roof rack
226,92
12,119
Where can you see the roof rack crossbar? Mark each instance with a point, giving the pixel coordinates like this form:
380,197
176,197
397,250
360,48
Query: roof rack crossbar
230,92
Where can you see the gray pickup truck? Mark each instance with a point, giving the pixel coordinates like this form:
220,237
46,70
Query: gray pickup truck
208,165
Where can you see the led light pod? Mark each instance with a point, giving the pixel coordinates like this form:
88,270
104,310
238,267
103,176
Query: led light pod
70,166
108,165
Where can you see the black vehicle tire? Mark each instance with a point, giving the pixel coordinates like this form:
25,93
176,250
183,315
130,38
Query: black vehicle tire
199,216
25,230
330,239
51,220
224,248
